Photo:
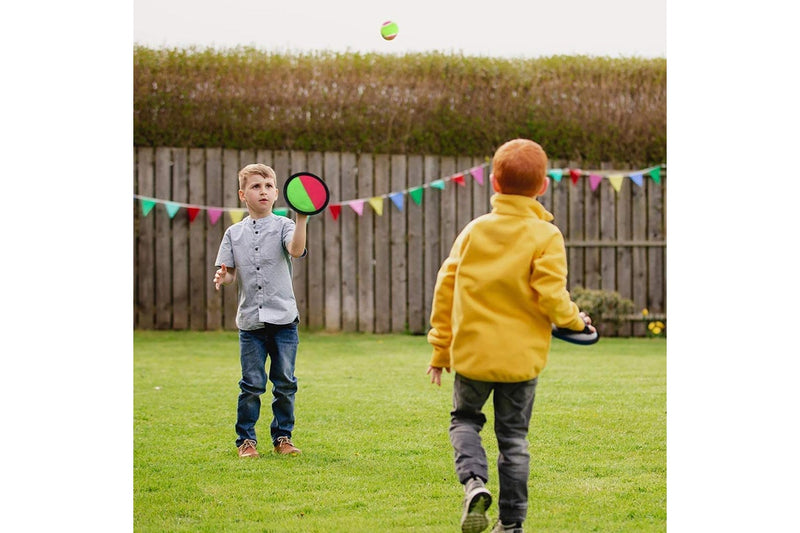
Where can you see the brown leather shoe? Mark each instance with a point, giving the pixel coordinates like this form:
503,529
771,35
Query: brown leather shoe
285,447
248,449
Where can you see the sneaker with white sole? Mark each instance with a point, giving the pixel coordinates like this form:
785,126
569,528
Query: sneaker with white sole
477,500
500,527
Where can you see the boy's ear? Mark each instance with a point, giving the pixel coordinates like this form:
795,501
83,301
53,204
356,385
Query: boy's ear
544,186
494,183
241,195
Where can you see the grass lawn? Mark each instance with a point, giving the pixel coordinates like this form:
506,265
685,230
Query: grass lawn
373,430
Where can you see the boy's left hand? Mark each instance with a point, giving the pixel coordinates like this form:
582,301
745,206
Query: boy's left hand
436,374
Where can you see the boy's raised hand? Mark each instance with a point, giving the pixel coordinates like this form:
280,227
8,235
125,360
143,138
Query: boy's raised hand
220,275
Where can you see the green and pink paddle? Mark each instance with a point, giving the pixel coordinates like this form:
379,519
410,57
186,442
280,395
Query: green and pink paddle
306,193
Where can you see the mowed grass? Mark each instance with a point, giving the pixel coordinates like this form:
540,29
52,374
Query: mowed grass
373,430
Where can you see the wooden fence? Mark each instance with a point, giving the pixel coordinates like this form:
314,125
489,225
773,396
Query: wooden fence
374,273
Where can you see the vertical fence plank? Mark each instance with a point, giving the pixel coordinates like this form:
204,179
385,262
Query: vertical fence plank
656,281
349,245
333,247
199,263
432,255
145,252
315,260
639,253
577,232
463,195
592,232
163,250
366,242
383,280
230,198
624,254
180,241
417,322
447,212
214,234
398,251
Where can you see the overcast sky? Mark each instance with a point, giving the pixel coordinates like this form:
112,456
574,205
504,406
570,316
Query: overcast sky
506,28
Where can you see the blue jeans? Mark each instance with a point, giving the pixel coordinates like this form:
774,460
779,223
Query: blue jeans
280,344
513,404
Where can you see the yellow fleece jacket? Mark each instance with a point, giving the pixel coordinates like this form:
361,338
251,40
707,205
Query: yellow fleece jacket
496,295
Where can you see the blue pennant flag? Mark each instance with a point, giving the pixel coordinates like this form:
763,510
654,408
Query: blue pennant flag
397,199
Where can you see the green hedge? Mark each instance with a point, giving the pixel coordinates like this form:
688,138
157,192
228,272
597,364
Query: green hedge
577,107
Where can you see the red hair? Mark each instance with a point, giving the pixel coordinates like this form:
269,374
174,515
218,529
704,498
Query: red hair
520,167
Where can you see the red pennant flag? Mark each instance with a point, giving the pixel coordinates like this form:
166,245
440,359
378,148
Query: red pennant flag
574,174
459,178
193,211
335,209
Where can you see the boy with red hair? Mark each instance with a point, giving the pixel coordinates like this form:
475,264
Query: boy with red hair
497,295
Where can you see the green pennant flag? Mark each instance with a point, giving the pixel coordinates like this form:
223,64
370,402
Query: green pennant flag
438,184
147,206
172,208
656,174
416,195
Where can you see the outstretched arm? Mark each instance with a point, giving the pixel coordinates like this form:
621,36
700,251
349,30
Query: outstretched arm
298,244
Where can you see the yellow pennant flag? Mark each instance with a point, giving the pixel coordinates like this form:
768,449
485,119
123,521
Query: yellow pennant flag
377,204
236,215
616,181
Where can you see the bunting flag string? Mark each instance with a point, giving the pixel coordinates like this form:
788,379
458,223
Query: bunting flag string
236,214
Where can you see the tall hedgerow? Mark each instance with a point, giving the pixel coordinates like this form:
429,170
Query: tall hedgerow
577,107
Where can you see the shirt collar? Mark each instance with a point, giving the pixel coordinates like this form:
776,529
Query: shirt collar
514,204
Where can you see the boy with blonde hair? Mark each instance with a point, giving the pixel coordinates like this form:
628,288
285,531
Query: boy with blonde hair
257,252
497,295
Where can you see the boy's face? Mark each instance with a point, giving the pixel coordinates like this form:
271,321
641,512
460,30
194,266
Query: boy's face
259,195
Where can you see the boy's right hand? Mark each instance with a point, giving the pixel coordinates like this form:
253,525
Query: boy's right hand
220,276
587,320
436,374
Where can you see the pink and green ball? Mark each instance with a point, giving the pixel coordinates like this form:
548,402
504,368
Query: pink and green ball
389,30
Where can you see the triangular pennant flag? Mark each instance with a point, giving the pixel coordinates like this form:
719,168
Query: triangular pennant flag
280,211
438,184
358,206
594,180
637,178
172,208
214,214
616,181
397,200
459,178
416,194
555,173
655,173
377,204
237,215
477,173
335,209
193,211
574,175
147,206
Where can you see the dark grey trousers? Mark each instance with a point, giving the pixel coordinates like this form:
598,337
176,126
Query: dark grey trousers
513,404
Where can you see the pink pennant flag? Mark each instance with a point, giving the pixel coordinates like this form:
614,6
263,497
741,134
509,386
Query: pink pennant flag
459,178
594,180
477,173
358,206
213,215
335,209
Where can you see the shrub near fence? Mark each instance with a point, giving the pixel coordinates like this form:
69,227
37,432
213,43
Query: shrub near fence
374,273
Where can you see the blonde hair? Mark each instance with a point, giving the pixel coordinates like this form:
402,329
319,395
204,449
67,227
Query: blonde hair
520,167
255,169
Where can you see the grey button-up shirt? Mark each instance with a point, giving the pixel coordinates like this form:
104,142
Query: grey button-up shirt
257,249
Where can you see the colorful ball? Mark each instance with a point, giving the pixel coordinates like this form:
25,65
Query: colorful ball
389,30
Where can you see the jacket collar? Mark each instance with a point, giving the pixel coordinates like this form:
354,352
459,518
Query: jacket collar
514,204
